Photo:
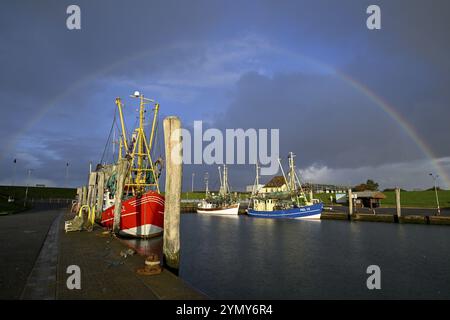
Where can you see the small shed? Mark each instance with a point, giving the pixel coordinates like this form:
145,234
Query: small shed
368,199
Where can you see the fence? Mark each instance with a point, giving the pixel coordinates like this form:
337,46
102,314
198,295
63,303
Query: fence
50,203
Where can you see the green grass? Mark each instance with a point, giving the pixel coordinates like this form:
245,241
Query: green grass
324,197
194,195
413,199
37,192
7,207
10,207
419,199
201,195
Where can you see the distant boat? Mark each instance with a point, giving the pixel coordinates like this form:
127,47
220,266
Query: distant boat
222,204
292,203
304,212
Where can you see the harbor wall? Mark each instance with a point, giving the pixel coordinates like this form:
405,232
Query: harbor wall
387,218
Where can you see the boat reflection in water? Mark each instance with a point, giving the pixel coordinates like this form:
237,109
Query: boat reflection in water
145,247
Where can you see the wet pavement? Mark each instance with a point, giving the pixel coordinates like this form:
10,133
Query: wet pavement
36,253
108,273
21,238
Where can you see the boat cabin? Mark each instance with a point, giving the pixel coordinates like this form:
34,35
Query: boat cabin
264,204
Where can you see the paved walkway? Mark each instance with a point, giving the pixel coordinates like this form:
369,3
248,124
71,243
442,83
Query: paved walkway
41,283
105,274
21,238
35,252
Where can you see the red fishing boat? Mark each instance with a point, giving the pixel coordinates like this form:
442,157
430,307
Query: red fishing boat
142,213
141,216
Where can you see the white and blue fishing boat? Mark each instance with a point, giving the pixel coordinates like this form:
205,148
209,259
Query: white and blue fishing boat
289,201
225,203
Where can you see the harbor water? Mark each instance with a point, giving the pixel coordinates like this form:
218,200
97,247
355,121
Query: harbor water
252,258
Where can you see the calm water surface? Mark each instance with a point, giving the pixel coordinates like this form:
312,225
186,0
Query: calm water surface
250,258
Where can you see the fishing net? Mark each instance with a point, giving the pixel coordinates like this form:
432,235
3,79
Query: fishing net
82,221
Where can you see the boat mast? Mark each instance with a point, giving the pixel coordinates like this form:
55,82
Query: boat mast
257,174
120,148
114,142
122,123
225,179
152,134
117,141
284,176
295,181
140,149
221,182
256,185
140,177
292,183
206,183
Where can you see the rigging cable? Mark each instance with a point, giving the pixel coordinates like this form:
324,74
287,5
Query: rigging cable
109,137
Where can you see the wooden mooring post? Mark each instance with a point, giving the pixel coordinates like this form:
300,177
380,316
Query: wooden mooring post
397,202
84,195
122,170
100,194
79,195
174,154
92,189
350,202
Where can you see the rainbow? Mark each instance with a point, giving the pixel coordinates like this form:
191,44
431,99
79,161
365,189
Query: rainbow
402,122
360,87
384,106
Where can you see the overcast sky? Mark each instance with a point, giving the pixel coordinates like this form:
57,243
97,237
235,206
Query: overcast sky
304,67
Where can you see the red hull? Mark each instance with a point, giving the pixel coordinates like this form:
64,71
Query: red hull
140,217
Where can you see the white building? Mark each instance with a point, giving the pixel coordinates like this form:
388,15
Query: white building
249,188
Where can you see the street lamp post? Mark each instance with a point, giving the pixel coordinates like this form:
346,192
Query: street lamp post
26,191
436,193
14,179
67,175
14,172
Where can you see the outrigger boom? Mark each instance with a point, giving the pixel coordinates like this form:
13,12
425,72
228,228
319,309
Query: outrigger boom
138,182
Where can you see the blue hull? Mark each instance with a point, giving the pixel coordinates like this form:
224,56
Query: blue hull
301,212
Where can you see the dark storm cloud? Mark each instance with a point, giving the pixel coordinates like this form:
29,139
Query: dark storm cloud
407,65
328,123
41,60
186,52
318,116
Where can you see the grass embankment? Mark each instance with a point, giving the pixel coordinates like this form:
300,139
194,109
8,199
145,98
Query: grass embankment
411,199
35,193
418,199
324,197
38,192
10,207
201,195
